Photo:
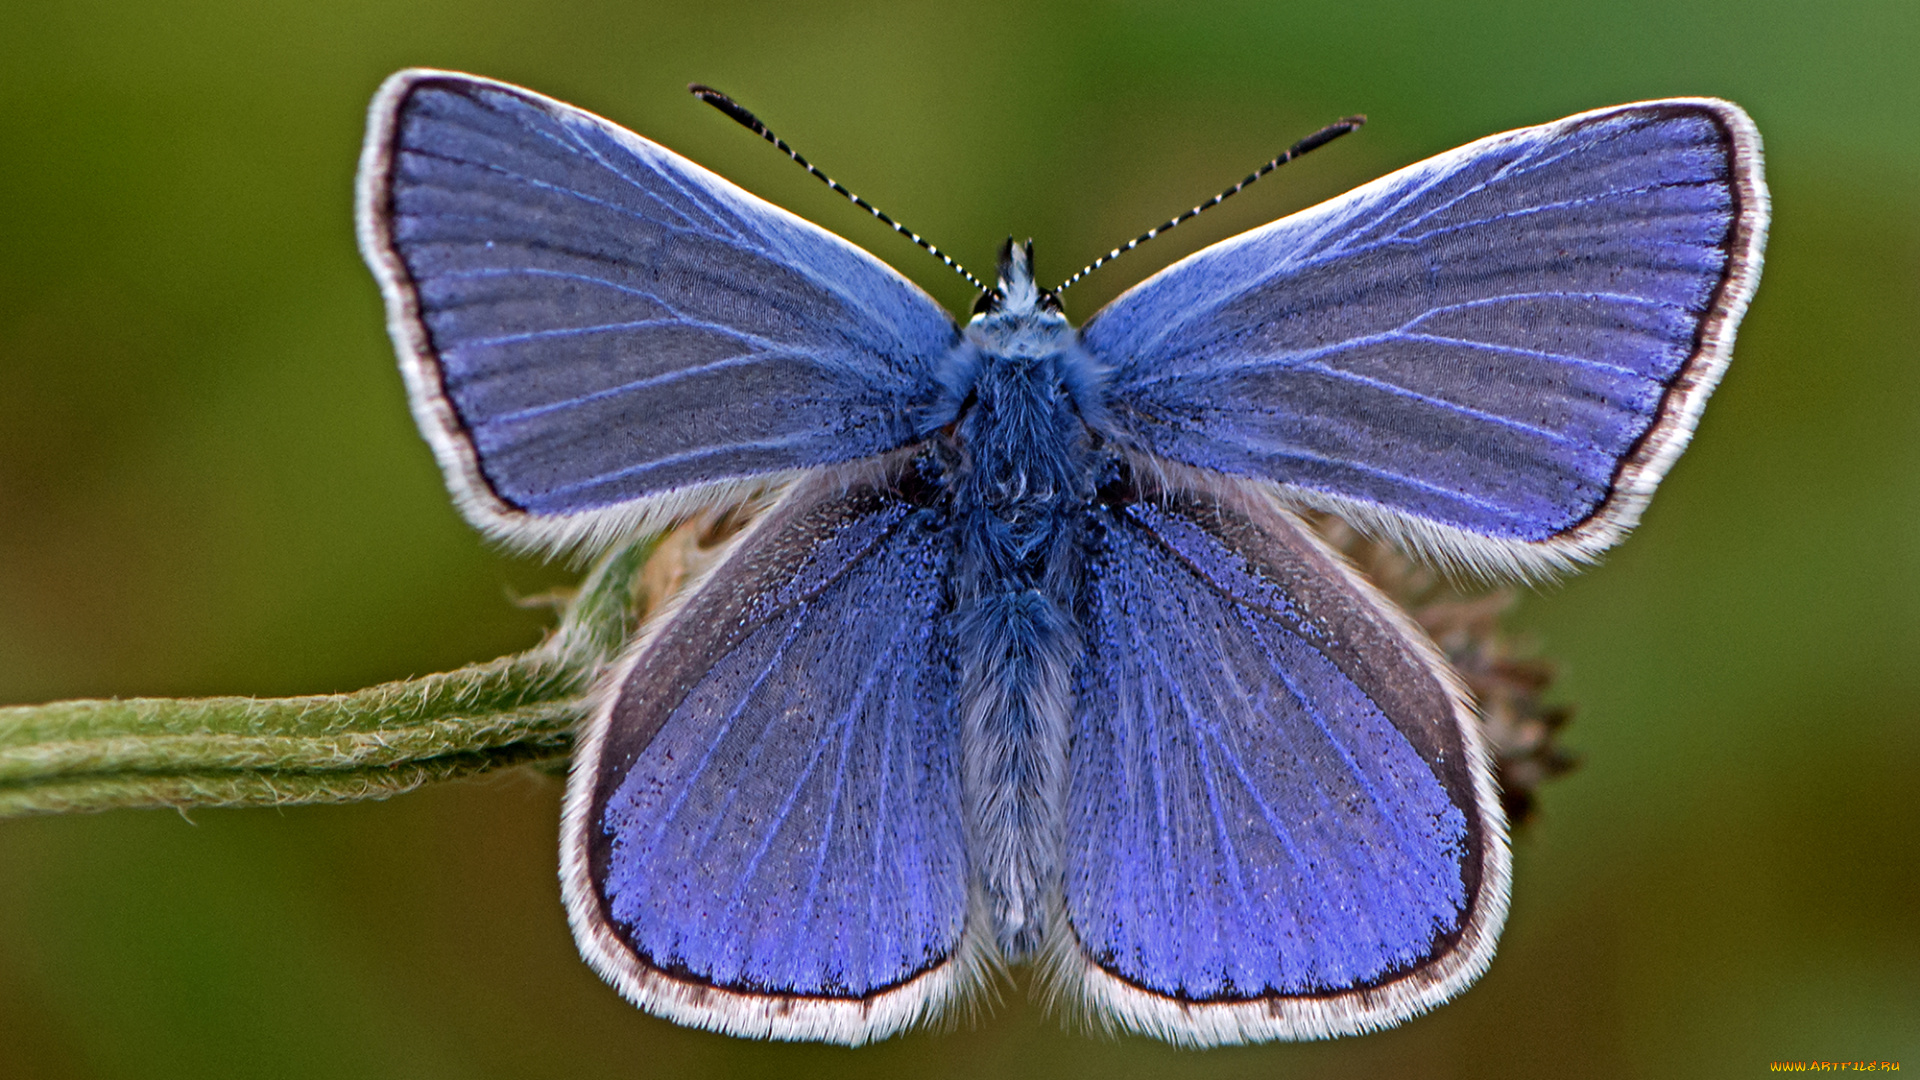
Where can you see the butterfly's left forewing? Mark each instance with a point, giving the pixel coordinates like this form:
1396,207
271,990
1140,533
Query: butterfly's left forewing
763,825
598,334
1281,823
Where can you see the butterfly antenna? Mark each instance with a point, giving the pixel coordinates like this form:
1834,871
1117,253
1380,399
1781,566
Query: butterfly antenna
1312,142
751,122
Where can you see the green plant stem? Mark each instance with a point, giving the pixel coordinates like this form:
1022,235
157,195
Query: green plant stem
233,751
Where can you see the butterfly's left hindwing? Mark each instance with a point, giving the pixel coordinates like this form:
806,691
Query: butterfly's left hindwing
1281,823
763,826
598,333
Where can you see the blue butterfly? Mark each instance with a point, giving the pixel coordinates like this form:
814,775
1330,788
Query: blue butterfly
1031,659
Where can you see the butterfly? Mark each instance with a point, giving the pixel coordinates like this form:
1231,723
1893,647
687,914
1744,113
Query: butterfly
1031,658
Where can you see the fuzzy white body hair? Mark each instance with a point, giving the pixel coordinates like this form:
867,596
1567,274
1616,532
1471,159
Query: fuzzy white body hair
1014,729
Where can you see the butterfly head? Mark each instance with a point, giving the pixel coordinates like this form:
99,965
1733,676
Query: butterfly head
1016,295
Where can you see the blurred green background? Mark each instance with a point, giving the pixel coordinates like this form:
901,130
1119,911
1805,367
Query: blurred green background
209,483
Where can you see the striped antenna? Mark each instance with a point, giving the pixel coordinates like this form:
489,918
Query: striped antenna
1312,142
751,122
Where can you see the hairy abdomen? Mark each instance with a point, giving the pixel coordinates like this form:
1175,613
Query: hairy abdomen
1021,486
1016,644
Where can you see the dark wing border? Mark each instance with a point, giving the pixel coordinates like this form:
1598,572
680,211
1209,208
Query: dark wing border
1641,471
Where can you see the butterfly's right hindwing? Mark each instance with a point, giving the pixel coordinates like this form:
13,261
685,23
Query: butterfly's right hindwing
598,333
763,827
1281,824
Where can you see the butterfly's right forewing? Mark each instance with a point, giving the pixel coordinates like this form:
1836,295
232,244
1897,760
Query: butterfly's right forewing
1493,355
763,829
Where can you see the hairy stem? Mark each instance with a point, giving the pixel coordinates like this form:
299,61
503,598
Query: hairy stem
235,751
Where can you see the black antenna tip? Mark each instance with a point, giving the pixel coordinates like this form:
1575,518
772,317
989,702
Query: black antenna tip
725,104
1326,135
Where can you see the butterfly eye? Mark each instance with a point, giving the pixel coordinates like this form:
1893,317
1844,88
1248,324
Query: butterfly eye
988,301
